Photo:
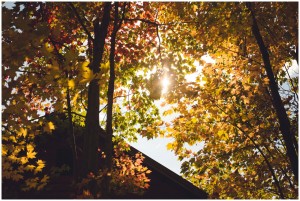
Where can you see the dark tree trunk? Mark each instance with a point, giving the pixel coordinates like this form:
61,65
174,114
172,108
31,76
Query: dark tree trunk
284,122
93,129
72,136
110,98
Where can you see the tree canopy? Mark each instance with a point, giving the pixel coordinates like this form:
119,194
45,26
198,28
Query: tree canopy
103,66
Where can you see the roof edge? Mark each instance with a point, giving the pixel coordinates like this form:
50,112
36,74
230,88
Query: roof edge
171,175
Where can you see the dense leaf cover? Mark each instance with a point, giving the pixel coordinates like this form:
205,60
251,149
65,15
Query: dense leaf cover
50,53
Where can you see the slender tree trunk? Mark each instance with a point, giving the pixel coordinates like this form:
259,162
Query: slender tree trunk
93,129
69,110
284,122
110,98
72,135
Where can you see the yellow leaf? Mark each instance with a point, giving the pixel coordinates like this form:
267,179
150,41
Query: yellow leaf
49,47
251,135
45,179
13,158
30,152
74,99
49,127
30,148
246,101
4,151
169,146
71,84
30,167
41,186
105,67
85,65
16,177
169,129
87,75
32,183
22,132
266,80
24,160
193,32
195,7
6,166
194,120
220,133
168,112
40,165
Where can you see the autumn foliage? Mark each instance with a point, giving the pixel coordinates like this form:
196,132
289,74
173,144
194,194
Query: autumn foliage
232,89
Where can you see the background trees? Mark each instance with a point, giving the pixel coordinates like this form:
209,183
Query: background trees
96,60
233,105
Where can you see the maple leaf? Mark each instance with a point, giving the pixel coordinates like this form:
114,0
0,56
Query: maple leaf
16,177
169,146
86,72
30,151
71,84
37,55
40,166
4,151
22,132
30,167
6,165
32,183
45,179
24,160
48,127
193,32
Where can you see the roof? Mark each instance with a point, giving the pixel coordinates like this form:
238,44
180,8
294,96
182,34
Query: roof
173,177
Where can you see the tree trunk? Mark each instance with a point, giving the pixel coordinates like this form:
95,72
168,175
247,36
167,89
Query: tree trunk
110,98
93,129
72,136
284,122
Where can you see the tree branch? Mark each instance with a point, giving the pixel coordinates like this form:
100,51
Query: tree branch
59,43
80,21
33,72
110,93
284,123
159,24
291,81
261,152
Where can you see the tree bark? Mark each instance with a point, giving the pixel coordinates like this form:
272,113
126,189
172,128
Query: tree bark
284,122
110,98
93,129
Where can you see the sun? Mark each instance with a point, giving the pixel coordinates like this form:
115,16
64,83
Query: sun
165,83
